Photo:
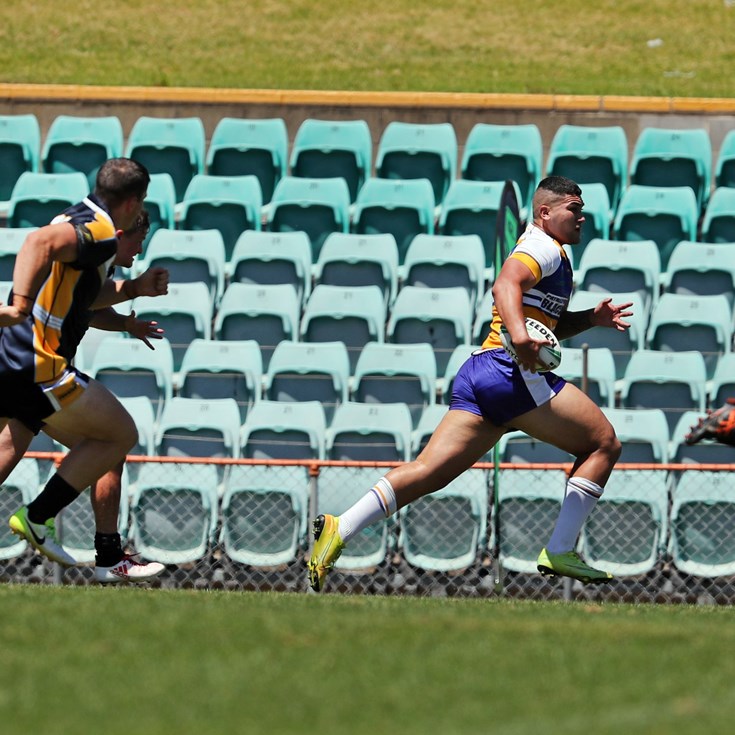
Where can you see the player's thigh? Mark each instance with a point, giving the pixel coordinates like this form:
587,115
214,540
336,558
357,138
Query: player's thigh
570,421
66,438
96,414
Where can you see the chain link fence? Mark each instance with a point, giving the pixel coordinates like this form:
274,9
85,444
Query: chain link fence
667,532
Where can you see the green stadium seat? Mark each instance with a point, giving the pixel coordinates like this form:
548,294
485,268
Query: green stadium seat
160,203
456,360
20,147
597,214
643,432
723,381
706,451
718,224
38,198
725,164
21,487
428,422
11,239
600,372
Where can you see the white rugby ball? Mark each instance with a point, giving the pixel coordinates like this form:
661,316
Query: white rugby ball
549,356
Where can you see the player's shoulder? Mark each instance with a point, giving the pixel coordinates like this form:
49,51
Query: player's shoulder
535,243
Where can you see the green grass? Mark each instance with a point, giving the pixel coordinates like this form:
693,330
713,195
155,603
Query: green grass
578,47
79,660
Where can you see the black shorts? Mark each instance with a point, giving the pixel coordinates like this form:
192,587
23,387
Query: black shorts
31,403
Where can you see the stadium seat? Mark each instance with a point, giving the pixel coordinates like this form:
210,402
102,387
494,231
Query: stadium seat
403,209
612,266
471,208
216,369
418,151
128,368
81,144
725,164
666,215
589,155
718,224
22,486
314,371
185,312
271,258
11,238
456,360
705,451
437,261
672,381
20,148
664,157
359,260
600,372
520,448
38,198
505,152
702,323
366,432
78,521
354,316
447,530
160,203
189,257
230,204
598,216
483,318
441,317
241,147
723,380
333,148
643,432
315,206
284,430
528,505
428,422
628,532
703,524
388,373
173,513
143,413
264,515
621,344
169,145
267,314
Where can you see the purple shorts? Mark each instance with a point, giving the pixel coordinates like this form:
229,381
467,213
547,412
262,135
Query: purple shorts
491,385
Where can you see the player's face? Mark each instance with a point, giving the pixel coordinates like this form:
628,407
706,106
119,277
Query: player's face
131,210
564,220
129,244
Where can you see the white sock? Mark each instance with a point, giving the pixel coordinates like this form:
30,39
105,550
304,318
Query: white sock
580,499
376,505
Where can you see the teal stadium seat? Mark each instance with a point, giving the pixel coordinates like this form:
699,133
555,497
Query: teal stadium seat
520,448
723,381
441,317
600,372
22,486
160,203
367,432
643,432
666,157
445,261
387,373
483,318
241,147
216,369
333,148
169,145
718,224
352,315
81,144
591,155
284,430
418,151
315,206
272,258
428,422
666,215
315,371
705,451
185,312
403,209
11,239
359,260
230,204
144,415
38,198
268,314
725,165
459,356
598,216
20,148
174,508
505,152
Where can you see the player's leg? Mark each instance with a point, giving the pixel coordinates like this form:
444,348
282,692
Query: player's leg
457,443
571,421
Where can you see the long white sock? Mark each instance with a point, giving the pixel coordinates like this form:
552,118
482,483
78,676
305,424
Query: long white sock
580,499
376,505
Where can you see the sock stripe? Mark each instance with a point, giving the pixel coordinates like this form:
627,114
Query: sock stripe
382,500
587,487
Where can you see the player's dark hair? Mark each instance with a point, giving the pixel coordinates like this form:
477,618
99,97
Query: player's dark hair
119,179
561,186
142,224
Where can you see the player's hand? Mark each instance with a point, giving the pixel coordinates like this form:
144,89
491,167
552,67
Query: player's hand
11,315
154,282
607,314
143,330
527,350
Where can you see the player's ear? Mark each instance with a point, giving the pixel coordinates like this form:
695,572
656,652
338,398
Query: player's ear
118,234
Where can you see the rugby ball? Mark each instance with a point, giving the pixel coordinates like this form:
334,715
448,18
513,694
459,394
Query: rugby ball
549,355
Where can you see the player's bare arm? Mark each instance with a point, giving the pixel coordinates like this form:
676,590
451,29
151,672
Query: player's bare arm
605,314
154,282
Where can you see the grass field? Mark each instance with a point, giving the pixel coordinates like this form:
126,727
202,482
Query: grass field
81,660
579,47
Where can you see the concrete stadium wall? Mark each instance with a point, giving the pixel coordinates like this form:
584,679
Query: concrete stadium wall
717,116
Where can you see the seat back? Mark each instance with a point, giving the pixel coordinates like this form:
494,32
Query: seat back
20,146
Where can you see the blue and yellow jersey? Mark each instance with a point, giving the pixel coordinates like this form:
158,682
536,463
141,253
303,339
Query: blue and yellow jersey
43,345
549,296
